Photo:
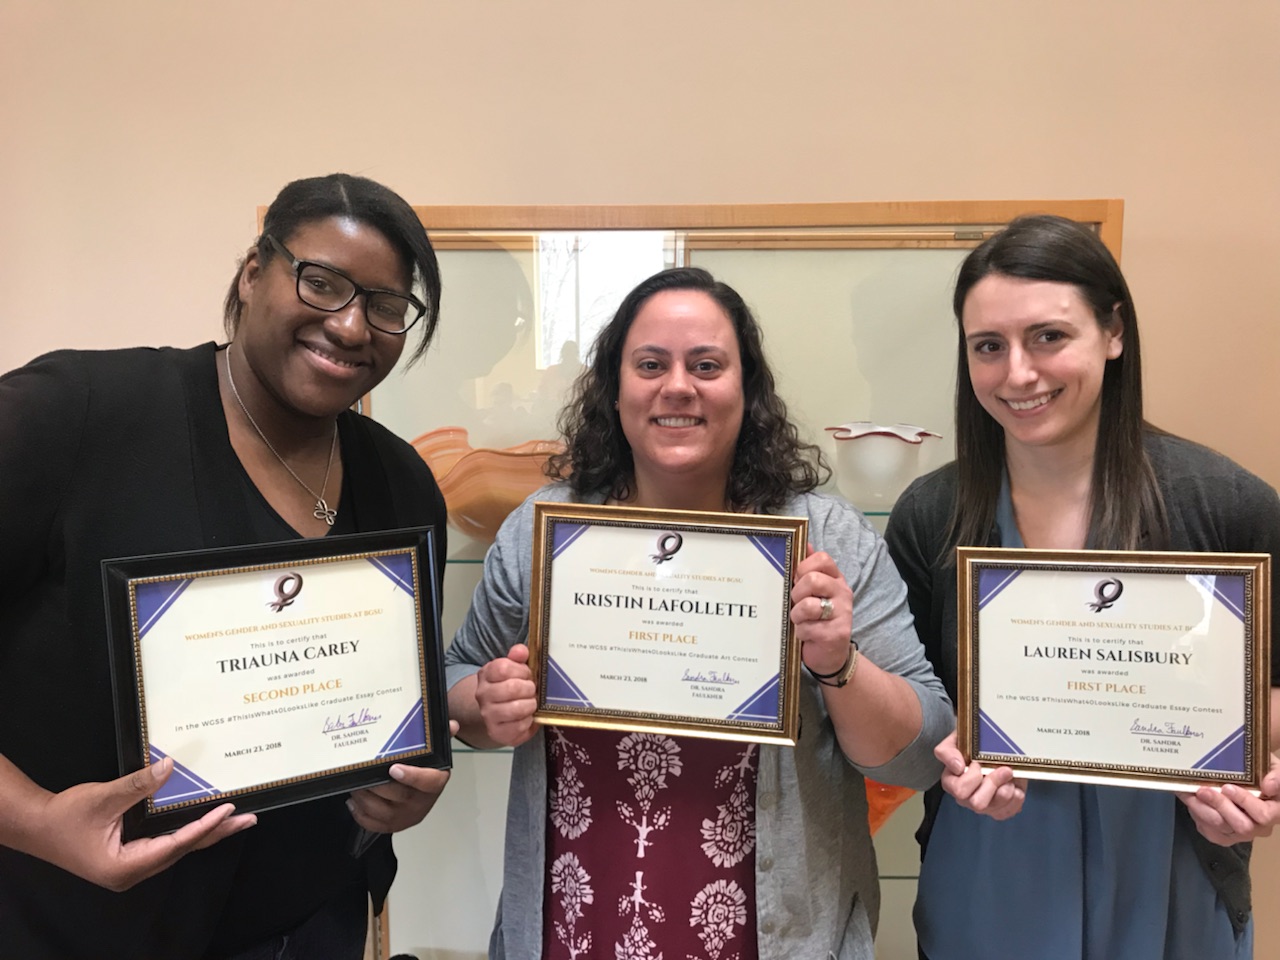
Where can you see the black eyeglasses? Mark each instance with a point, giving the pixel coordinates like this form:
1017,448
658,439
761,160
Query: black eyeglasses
331,290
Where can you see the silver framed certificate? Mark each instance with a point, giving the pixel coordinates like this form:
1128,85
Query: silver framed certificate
1142,669
276,673
669,621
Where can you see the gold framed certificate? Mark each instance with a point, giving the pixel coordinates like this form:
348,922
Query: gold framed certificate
276,673
670,621
1144,669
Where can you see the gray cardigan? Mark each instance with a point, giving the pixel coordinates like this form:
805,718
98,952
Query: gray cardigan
817,892
1213,505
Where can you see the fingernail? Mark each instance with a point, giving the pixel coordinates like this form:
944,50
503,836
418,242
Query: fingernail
351,806
397,772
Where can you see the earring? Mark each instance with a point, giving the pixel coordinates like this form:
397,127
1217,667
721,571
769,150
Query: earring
615,404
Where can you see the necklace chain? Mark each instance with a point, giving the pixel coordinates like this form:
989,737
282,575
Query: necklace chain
323,511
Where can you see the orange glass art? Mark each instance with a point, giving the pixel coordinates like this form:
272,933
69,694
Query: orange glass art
482,485
882,800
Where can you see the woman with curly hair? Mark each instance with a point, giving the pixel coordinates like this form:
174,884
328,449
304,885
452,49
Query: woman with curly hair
640,845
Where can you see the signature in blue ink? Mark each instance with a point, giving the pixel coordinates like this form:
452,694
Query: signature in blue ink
1166,729
349,720
724,678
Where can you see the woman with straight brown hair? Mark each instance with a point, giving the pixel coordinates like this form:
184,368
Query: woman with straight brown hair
1052,451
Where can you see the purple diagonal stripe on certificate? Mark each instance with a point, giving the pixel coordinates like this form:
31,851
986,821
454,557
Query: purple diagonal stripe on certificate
564,534
761,705
1228,755
991,739
399,569
154,600
991,580
1226,588
408,736
1230,593
182,784
774,549
561,690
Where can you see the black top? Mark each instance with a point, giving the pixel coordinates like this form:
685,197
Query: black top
1213,504
124,453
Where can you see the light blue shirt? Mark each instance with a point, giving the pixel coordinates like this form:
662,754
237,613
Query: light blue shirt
1081,873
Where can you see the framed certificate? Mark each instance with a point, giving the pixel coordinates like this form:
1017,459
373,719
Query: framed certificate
1135,668
276,673
671,621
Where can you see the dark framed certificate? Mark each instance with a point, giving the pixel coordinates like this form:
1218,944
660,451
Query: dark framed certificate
670,621
276,673
1142,669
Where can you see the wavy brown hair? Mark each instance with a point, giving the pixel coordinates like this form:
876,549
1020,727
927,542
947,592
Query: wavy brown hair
770,462
1126,500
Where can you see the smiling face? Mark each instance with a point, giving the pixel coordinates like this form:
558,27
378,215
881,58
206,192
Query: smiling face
310,362
1036,357
680,400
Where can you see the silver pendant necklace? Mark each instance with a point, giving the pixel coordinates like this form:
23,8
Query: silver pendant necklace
323,511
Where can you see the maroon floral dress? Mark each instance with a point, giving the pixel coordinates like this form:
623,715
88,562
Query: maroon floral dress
650,847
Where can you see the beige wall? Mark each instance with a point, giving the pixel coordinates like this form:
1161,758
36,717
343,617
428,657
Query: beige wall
138,138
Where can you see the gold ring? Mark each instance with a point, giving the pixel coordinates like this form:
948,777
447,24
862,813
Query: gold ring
828,608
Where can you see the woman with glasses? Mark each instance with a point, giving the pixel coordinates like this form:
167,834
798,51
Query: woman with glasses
1052,452
643,845
132,452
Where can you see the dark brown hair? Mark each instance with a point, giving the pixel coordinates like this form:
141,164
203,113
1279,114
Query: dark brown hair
1125,498
770,463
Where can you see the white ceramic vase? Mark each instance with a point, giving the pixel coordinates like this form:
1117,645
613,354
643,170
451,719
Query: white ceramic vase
875,462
